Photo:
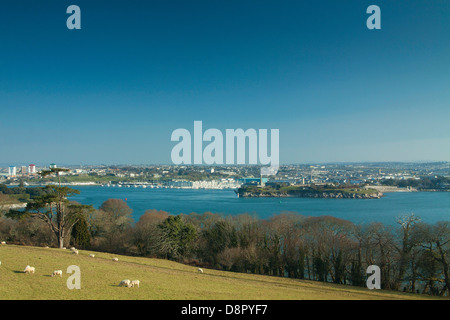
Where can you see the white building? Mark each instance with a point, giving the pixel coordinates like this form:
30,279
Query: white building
12,171
31,169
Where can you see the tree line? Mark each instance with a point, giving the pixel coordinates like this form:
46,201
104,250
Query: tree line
413,256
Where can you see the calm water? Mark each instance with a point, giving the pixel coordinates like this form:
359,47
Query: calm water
430,206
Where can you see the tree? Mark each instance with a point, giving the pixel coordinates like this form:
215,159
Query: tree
407,224
216,239
330,244
356,274
285,244
109,225
117,214
435,242
378,248
176,237
55,210
56,171
81,238
146,232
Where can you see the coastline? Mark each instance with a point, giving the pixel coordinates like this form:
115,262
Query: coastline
385,189
380,189
321,195
13,206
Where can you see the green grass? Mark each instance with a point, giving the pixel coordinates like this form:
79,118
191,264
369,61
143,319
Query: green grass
159,280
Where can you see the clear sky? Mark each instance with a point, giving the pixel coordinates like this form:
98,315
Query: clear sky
114,91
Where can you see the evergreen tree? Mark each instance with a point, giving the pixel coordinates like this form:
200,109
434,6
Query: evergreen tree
176,237
81,238
356,275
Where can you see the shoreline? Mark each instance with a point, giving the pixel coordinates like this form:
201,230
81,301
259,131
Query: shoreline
380,189
13,206
319,195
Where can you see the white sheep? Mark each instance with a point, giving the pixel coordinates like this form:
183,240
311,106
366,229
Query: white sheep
75,251
29,269
92,255
115,259
72,249
135,283
200,270
125,283
57,273
3,242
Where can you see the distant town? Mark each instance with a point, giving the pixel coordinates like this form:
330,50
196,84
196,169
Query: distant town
386,176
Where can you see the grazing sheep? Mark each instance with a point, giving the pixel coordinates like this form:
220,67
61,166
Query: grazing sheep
92,255
57,272
64,248
200,270
75,251
3,242
125,283
29,269
115,259
135,283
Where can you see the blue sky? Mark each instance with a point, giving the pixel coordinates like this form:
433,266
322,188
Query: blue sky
114,91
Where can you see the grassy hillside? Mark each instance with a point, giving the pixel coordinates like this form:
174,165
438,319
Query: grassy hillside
160,279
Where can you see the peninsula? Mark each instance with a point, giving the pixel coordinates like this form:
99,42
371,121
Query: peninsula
311,191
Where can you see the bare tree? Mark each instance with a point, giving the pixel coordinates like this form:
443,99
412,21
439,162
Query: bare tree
407,223
435,241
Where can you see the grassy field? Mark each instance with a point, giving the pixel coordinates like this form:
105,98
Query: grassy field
159,280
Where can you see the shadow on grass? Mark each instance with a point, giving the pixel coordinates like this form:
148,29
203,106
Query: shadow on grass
118,286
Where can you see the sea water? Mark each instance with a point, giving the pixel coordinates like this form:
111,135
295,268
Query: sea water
430,206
